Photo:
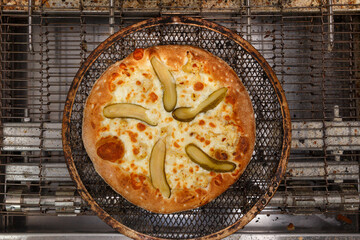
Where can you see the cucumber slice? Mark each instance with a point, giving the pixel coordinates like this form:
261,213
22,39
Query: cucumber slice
128,110
198,156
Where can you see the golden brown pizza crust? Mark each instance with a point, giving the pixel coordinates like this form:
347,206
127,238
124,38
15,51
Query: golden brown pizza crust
138,188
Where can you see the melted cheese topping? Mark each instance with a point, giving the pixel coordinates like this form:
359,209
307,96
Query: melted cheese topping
210,131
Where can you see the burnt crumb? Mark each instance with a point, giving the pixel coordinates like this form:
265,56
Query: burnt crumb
291,227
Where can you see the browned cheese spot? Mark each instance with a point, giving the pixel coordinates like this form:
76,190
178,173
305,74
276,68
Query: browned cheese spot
147,75
230,99
137,180
114,76
133,136
136,151
141,127
185,196
218,180
198,86
122,65
244,144
153,97
138,53
221,155
110,149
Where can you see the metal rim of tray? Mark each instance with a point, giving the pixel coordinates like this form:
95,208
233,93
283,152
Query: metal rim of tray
177,20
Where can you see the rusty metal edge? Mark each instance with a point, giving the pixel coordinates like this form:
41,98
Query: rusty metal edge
263,201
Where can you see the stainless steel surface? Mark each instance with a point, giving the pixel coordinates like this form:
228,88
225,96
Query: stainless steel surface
313,46
237,236
28,136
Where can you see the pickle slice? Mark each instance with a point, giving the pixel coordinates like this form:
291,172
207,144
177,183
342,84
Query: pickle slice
157,168
168,82
186,114
198,156
128,110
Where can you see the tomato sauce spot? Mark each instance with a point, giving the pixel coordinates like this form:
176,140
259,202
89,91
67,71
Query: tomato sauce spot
141,127
111,150
138,83
138,53
207,142
201,122
198,86
191,170
176,145
122,65
212,125
93,125
227,118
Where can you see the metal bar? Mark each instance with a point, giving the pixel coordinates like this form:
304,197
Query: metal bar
27,137
30,172
297,170
331,25
111,17
313,199
64,200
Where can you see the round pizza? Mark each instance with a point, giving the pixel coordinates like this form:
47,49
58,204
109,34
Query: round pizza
169,127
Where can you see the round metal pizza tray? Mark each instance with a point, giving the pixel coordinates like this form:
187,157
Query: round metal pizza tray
241,202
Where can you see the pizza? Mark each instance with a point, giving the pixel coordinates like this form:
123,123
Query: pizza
169,128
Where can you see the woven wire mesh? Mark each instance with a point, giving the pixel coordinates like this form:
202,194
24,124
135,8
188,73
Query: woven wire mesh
229,207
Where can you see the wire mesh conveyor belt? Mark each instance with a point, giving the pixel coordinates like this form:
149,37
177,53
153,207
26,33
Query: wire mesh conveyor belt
314,51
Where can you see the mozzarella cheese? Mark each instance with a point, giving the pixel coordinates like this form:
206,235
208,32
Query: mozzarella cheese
208,130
